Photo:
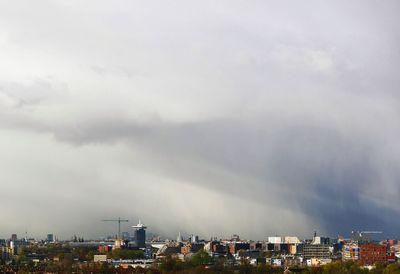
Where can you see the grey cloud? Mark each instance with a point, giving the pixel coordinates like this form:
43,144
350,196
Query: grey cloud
257,109
319,169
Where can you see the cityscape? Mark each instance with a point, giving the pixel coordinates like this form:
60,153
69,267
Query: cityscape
199,136
136,251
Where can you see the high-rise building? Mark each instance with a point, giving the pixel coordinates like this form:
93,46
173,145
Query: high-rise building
194,238
140,235
50,238
179,238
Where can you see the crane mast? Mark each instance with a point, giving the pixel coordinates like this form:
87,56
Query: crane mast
119,220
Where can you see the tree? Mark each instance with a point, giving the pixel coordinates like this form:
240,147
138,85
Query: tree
312,270
170,264
392,269
120,253
339,267
200,258
263,268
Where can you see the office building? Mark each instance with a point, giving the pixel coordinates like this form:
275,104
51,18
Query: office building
140,235
319,251
50,238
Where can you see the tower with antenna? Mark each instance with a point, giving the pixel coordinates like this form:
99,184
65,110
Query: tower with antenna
140,234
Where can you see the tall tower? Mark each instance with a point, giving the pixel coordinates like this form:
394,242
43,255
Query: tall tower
140,234
179,239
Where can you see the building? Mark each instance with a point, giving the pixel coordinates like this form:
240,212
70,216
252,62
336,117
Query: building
50,238
236,246
194,239
6,253
319,251
100,258
215,247
284,248
256,246
316,262
275,240
140,235
179,238
168,250
276,262
291,240
105,248
191,248
235,238
292,262
318,240
371,254
350,252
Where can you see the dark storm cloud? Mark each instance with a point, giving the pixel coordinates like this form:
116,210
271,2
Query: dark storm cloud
317,168
282,110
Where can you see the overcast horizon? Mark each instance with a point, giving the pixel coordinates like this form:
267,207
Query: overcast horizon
256,118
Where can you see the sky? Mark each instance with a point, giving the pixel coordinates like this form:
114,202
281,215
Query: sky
256,118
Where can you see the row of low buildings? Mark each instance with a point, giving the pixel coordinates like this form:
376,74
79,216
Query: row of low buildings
9,247
276,250
288,251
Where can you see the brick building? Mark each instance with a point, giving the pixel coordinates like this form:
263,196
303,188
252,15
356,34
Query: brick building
191,248
373,253
236,246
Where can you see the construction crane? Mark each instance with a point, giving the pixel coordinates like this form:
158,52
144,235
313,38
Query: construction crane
361,233
119,220
364,236
371,232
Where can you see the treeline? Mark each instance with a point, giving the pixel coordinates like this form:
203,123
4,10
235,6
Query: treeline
80,260
201,264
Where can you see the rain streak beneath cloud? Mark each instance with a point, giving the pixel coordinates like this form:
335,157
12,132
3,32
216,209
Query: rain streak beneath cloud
214,118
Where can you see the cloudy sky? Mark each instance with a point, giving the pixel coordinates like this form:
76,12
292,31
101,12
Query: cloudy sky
206,117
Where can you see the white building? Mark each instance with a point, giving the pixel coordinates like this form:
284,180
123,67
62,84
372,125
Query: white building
275,240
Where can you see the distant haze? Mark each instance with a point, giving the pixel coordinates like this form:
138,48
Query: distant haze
214,118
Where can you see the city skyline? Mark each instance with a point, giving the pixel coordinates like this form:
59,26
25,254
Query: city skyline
131,230
225,117
115,231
